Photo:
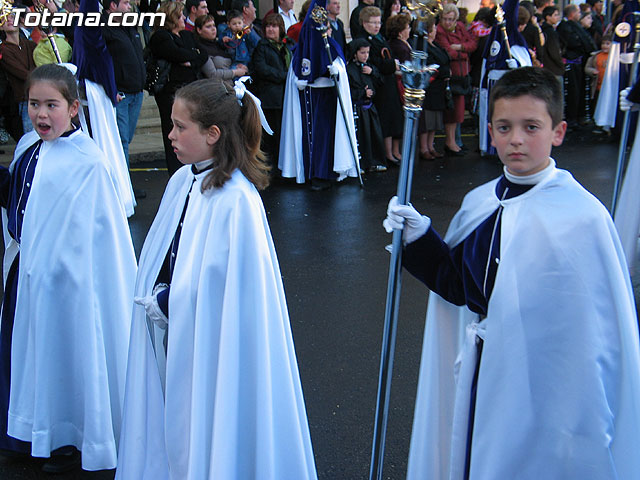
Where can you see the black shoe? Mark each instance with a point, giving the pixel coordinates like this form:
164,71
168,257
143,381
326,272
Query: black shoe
139,193
450,153
393,161
62,462
319,184
464,148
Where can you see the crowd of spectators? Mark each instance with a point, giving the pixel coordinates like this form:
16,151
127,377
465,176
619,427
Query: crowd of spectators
225,39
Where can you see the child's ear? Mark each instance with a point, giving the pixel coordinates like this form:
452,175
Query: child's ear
213,135
73,108
558,133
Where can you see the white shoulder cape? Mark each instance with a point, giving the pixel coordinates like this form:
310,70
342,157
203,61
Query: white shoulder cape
290,160
559,379
75,293
233,407
104,130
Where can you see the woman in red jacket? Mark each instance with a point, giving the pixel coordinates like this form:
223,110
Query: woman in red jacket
459,44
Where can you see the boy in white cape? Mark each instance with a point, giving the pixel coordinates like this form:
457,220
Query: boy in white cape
530,364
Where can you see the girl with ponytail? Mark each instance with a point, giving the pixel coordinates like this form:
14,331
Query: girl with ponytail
213,389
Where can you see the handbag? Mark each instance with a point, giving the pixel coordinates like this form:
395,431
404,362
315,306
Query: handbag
460,84
157,72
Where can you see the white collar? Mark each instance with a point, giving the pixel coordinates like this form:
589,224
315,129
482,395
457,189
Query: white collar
533,179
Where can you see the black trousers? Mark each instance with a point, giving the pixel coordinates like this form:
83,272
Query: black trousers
165,102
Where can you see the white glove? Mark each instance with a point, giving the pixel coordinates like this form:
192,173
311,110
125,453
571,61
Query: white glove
333,70
408,219
512,63
151,307
625,104
302,84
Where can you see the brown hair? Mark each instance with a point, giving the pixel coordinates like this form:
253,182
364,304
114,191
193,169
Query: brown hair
396,24
533,81
274,19
59,76
368,12
173,11
213,102
202,20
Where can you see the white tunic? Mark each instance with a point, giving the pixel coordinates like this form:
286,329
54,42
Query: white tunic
73,310
559,379
233,407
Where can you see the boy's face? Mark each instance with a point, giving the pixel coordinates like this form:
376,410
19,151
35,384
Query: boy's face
362,55
606,46
236,24
522,132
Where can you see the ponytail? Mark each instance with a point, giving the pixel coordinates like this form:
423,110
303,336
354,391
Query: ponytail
213,102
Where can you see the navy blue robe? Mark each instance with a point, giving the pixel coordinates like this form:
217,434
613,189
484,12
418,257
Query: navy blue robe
14,194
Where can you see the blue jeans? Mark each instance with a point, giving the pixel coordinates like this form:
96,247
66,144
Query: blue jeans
127,112
23,109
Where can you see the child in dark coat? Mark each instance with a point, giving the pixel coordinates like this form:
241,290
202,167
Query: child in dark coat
364,80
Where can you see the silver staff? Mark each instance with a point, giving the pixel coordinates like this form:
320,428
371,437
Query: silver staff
624,136
415,77
319,16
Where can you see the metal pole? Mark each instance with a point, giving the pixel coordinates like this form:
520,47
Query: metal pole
624,136
415,78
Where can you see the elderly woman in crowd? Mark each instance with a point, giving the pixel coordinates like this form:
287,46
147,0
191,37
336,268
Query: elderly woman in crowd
387,101
219,64
173,43
459,44
269,66
435,101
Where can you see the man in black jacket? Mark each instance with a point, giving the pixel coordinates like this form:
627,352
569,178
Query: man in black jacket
337,27
577,45
125,48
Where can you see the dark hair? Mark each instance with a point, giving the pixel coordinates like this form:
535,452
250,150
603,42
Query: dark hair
213,102
534,81
548,11
484,15
59,76
529,6
201,21
386,12
570,9
106,4
397,24
231,14
607,37
173,11
355,45
274,19
239,5
189,4
540,3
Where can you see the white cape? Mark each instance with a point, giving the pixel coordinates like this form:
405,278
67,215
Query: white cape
75,293
627,214
290,161
233,407
102,114
559,379
607,105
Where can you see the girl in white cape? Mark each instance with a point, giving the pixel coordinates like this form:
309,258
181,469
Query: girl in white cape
213,389
68,288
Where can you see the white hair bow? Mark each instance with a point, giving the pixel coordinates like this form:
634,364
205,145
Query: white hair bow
241,90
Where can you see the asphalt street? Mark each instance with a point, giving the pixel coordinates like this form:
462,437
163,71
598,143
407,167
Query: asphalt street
331,250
